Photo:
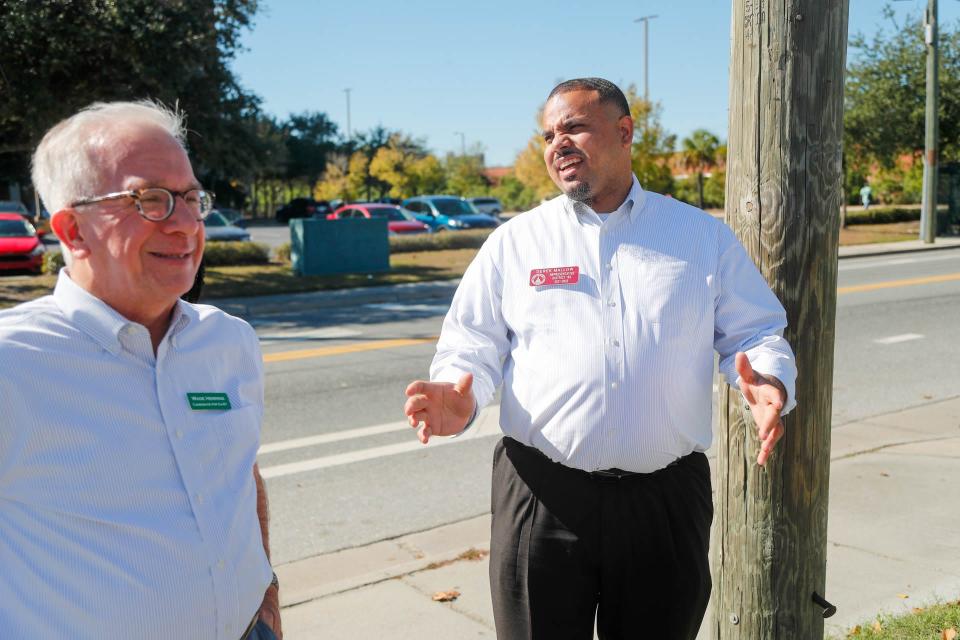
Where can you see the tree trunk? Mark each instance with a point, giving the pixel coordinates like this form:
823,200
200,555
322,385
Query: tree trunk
700,187
783,192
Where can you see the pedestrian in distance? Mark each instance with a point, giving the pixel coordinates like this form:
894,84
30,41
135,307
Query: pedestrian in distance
130,502
865,193
599,313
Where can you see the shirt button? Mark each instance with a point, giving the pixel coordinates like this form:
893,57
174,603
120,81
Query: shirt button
199,498
219,564
613,385
179,434
611,304
614,342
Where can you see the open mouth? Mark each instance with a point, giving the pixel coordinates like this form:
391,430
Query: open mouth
568,165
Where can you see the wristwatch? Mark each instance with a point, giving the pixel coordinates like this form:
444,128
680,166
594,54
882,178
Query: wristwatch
275,582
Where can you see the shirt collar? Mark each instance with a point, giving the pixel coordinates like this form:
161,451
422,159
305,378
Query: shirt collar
101,321
632,204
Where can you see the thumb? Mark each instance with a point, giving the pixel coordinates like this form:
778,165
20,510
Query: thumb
744,370
464,384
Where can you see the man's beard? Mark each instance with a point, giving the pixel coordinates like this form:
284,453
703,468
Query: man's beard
581,192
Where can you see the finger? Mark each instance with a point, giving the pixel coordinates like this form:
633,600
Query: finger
770,395
415,387
415,403
744,369
747,390
424,434
464,384
767,446
766,420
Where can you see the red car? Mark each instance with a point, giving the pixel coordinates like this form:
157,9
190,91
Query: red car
20,246
398,220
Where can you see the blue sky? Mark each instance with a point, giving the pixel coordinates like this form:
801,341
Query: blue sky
432,69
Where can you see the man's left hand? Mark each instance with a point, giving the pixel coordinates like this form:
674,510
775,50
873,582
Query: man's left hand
270,611
766,397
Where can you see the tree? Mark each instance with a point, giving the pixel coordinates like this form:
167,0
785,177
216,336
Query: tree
60,56
699,154
465,174
885,93
652,145
310,139
531,170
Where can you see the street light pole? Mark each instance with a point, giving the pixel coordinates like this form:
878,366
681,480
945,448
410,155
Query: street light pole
646,55
463,142
928,212
347,91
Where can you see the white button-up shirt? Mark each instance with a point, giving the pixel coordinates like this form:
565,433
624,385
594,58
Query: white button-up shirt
614,369
123,512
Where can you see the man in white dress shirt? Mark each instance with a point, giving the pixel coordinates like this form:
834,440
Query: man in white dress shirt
130,501
600,311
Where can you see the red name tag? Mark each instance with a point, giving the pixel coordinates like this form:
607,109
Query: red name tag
554,275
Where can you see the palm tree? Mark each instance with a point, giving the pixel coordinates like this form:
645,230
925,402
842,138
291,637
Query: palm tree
700,152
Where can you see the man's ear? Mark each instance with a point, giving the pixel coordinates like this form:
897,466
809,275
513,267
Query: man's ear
625,126
67,227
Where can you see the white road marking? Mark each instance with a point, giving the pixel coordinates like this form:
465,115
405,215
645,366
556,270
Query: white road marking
904,337
337,436
485,426
872,264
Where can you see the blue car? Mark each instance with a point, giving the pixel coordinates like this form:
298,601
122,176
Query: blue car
443,213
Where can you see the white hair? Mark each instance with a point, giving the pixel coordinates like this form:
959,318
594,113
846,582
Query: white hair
67,162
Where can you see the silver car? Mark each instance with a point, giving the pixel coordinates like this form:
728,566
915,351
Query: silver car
489,206
217,229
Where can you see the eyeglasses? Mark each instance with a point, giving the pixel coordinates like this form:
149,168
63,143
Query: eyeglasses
156,204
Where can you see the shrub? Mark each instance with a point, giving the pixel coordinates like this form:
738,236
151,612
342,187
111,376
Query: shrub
52,262
439,241
283,252
882,215
219,254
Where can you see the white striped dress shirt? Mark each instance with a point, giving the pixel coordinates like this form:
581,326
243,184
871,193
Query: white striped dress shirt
123,512
614,370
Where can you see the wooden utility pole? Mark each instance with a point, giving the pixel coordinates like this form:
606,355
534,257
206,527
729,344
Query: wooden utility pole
783,194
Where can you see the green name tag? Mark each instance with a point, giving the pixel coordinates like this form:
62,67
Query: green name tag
208,401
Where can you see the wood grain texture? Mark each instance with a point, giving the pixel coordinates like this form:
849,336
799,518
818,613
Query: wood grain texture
783,194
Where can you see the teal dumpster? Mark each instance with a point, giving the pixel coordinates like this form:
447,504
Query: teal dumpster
319,247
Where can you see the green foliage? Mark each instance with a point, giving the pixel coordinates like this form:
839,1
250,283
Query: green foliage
687,190
52,262
898,186
465,175
514,195
922,624
699,153
310,139
471,239
60,56
885,92
882,215
652,145
218,254
283,253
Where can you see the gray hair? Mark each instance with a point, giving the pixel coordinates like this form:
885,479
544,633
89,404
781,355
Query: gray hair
66,162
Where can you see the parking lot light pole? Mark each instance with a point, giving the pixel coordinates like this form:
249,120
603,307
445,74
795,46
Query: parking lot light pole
463,142
646,55
347,91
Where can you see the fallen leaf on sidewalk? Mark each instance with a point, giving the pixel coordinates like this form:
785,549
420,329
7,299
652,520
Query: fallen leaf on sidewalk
902,596
446,596
877,626
949,634
885,474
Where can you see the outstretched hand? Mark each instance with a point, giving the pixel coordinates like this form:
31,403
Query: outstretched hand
442,408
766,397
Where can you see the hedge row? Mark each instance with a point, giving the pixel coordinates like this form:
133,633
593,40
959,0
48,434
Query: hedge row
883,215
215,254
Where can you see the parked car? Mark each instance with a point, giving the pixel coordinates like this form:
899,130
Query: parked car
216,228
232,215
489,206
13,206
398,220
448,212
303,208
20,246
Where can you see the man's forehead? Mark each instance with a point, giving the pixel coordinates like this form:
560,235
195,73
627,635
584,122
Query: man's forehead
569,105
142,157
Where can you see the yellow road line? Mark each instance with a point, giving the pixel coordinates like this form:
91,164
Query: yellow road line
891,284
283,356
375,345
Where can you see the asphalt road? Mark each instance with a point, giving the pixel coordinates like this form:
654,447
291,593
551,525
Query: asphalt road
342,468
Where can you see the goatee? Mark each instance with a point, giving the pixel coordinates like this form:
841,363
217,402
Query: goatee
581,193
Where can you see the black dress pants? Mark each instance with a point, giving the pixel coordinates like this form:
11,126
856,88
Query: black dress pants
568,548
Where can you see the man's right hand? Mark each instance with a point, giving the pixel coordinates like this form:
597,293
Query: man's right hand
441,407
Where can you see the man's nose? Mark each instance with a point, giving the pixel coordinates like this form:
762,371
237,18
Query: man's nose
183,218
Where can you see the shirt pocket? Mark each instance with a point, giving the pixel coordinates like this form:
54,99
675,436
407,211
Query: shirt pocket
672,297
233,435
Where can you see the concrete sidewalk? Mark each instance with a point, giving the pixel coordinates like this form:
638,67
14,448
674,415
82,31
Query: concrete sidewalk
892,545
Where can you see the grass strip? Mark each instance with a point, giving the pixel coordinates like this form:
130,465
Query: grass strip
937,622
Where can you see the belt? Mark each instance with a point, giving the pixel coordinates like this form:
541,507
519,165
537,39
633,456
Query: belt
253,623
620,474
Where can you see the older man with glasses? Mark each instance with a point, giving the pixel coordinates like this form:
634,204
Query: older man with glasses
130,501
